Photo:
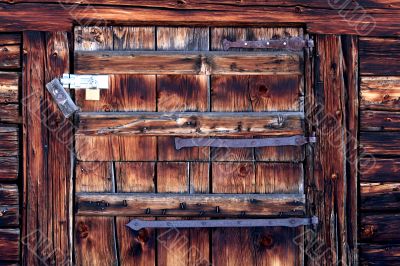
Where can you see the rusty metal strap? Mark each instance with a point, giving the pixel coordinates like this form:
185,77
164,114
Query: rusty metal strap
291,44
272,222
243,143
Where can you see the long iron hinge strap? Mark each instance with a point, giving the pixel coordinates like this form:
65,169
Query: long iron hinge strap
292,44
285,222
243,143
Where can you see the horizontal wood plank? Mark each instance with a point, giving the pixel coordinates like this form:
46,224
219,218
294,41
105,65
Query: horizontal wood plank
379,170
375,254
197,63
9,244
10,38
9,113
215,205
380,93
379,56
191,123
379,196
9,141
9,84
8,194
9,216
377,228
380,143
10,56
380,121
9,167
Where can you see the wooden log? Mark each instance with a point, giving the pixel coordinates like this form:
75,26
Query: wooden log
9,194
9,168
379,170
9,216
9,87
379,196
9,141
380,121
191,123
136,204
379,56
194,63
380,93
10,38
9,113
371,21
379,254
9,244
379,143
379,228
10,56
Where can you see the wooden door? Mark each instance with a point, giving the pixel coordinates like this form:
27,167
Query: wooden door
127,165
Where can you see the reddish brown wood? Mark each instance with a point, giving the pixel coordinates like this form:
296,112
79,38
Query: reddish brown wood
379,228
379,196
9,168
9,244
375,254
10,56
379,170
9,113
380,121
380,93
9,215
379,143
9,194
9,87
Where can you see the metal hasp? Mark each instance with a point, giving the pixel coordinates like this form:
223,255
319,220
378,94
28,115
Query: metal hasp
92,84
62,98
284,222
243,143
291,44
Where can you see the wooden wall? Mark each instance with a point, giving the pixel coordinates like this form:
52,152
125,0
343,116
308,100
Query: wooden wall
379,151
10,73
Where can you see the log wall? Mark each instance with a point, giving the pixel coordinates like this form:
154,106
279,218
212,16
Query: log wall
379,151
10,73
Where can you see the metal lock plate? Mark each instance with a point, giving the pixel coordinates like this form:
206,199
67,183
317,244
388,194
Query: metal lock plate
92,84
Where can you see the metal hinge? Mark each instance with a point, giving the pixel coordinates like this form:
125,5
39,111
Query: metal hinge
272,222
243,143
291,44
92,84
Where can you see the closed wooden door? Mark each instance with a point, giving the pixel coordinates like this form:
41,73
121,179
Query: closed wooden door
168,82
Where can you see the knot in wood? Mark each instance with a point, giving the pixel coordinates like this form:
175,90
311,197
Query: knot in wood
266,241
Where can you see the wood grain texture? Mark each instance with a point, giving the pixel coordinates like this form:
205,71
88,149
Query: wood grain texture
380,121
9,87
9,194
10,56
93,38
9,168
9,141
380,143
194,63
10,38
379,56
190,124
379,170
182,39
9,215
379,228
9,244
380,93
134,38
379,254
9,113
379,196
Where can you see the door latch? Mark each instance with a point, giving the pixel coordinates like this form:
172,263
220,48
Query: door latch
243,143
285,222
291,44
92,84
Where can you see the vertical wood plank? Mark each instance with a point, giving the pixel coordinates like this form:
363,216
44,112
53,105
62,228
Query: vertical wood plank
182,39
134,38
93,38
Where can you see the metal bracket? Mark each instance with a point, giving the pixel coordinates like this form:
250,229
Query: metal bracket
243,143
92,84
285,222
292,44
62,98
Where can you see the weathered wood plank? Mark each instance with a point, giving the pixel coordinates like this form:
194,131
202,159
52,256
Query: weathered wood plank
380,121
10,38
379,56
379,196
379,228
380,143
380,93
10,56
9,87
197,63
182,39
375,254
94,236
9,194
136,204
379,170
9,244
134,38
9,141
9,215
370,21
93,38
9,113
9,168
191,123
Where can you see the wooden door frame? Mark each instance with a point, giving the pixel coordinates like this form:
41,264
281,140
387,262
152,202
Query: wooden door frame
331,103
